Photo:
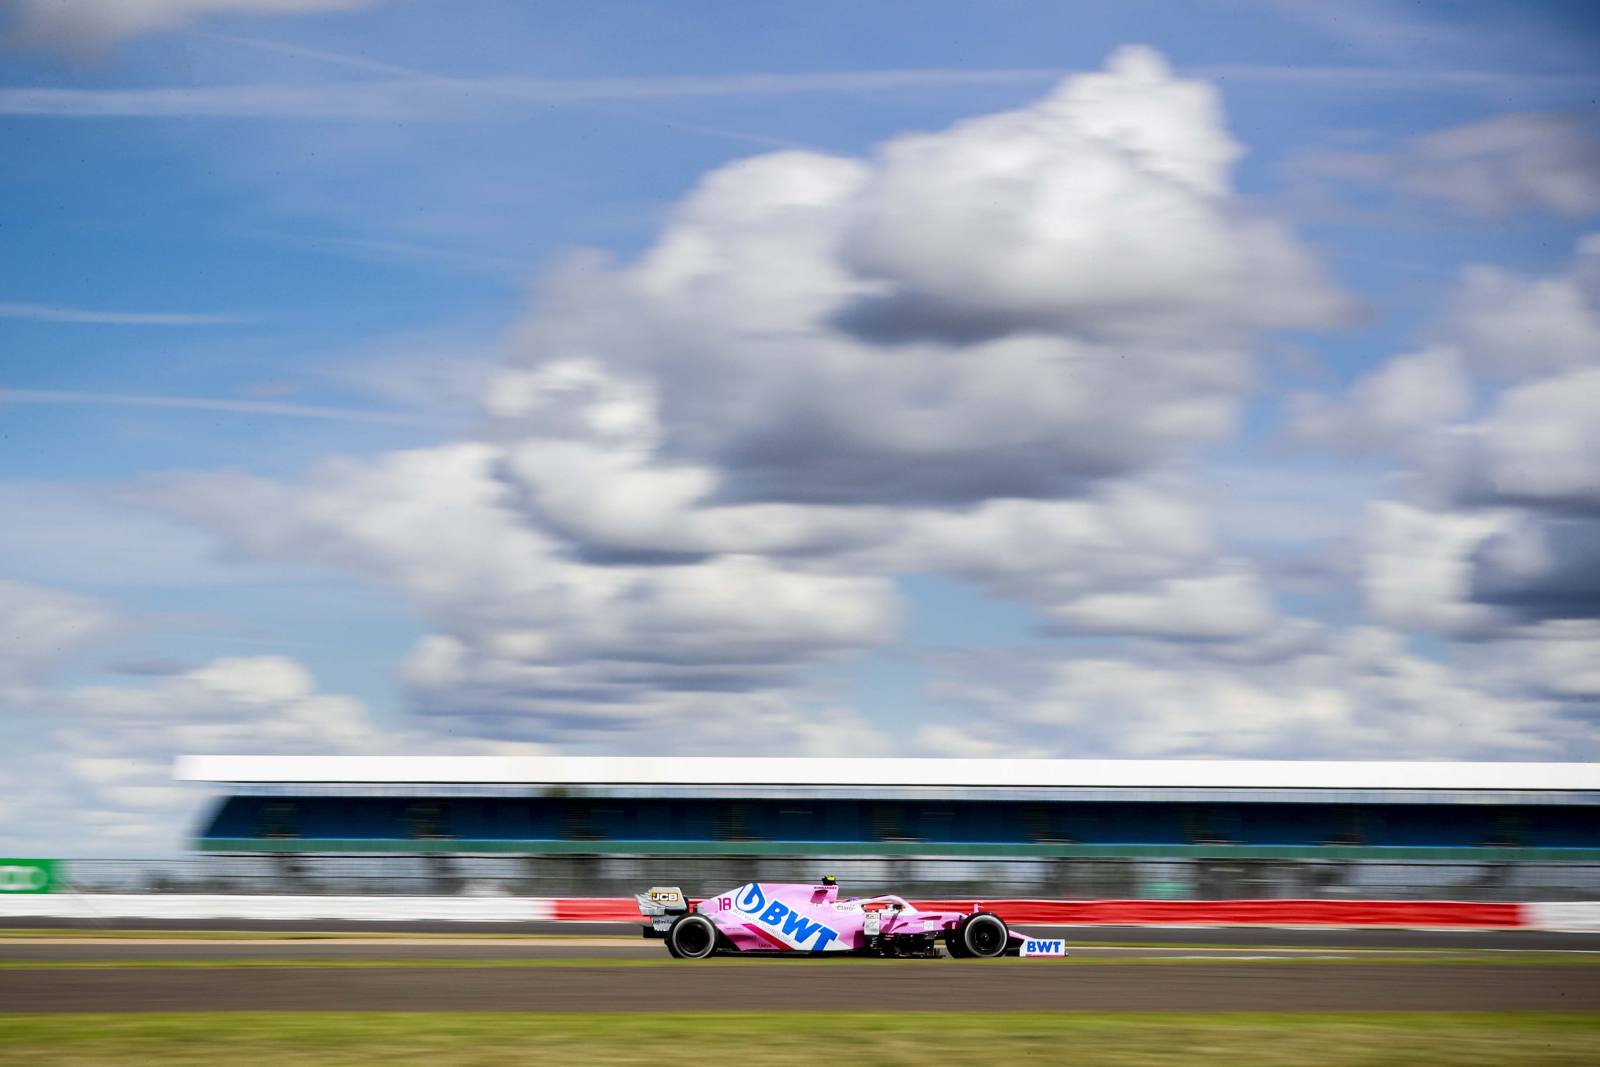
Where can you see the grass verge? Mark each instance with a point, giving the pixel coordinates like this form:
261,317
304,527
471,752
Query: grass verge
317,1039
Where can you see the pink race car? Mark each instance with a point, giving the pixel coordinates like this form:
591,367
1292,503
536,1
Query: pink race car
797,917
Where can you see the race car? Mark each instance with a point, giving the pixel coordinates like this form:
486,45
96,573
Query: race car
810,917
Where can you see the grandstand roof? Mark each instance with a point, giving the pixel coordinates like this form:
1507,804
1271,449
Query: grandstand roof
961,773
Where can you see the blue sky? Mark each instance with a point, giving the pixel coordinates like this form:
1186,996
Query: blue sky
394,376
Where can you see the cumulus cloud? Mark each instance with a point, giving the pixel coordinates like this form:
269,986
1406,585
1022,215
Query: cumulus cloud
1103,209
1561,658
1231,604
1406,396
1417,565
1493,168
78,25
1540,335
968,353
1539,446
1510,163
1516,327
101,780
1504,516
1357,693
1015,307
573,648
38,626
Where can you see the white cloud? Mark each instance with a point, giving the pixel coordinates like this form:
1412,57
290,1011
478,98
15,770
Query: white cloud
1103,208
1231,604
39,626
1522,327
703,469
575,648
1417,565
1357,693
1406,396
1015,307
1499,522
76,25
270,408
1564,658
10,309
1493,168
100,781
1541,444
1510,163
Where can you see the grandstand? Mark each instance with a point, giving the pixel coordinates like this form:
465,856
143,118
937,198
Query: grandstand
1072,827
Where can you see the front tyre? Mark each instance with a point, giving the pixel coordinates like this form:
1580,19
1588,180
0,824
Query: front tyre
983,935
692,937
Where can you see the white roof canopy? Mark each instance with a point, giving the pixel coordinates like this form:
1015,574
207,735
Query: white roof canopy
976,773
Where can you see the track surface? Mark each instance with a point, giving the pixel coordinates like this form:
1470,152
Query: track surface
595,974
607,950
1332,937
781,986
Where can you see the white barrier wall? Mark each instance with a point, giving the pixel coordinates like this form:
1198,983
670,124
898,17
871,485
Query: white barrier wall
1569,916
241,906
1577,917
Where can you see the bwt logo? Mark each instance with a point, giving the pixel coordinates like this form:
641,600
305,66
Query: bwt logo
1044,948
786,920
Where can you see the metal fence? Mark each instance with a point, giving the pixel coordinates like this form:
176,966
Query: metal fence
583,876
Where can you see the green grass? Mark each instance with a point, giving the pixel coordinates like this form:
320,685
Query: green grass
755,1040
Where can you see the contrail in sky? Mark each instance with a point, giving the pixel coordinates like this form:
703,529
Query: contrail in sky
272,408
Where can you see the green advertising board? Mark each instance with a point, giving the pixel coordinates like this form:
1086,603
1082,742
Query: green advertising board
29,876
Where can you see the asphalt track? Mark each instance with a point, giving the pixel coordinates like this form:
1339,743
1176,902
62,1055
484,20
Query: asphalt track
1323,937
588,974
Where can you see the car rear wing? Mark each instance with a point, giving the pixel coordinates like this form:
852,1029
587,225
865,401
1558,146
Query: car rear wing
662,901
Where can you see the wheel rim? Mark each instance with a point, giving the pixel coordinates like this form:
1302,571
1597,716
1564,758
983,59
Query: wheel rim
985,938
694,938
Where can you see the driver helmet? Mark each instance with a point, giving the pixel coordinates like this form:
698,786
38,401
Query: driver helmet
829,879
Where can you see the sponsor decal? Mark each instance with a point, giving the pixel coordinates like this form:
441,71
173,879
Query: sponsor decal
1032,947
796,929
27,876
753,900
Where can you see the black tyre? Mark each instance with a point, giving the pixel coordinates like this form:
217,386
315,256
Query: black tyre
983,935
692,937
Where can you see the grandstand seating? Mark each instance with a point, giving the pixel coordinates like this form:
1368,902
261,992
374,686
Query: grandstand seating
537,824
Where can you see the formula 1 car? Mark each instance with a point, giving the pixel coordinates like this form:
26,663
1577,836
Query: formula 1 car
800,917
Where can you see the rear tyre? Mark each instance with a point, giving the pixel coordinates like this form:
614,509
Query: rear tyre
983,935
692,937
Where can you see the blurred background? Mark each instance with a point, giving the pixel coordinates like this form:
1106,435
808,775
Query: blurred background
1095,381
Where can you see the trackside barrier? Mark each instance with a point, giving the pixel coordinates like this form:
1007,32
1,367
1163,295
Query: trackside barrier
1247,912
1562,916
91,906
1570,916
1163,912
